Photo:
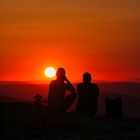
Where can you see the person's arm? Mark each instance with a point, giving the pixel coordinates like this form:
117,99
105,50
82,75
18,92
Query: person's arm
79,89
50,92
97,90
69,86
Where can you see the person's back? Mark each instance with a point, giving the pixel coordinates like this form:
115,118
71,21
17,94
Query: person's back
57,91
56,94
88,95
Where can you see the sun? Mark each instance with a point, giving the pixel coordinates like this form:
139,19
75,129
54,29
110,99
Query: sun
50,72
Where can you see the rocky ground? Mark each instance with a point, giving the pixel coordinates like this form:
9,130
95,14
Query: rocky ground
68,126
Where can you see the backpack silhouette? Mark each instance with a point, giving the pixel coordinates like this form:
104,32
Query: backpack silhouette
113,107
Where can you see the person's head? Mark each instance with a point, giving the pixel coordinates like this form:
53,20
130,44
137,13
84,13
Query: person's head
86,77
38,97
60,73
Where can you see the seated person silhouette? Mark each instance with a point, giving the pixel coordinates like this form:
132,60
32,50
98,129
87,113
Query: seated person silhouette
88,95
57,99
37,105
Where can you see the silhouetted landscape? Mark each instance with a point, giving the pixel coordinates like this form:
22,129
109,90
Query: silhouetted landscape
129,92
19,120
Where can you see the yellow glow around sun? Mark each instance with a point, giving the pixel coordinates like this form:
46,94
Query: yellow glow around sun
50,72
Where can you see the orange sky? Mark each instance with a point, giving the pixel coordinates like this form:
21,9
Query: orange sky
102,37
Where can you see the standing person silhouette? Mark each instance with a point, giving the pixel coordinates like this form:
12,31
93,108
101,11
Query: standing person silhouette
57,101
88,96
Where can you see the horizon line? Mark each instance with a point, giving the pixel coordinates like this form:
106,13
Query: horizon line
47,82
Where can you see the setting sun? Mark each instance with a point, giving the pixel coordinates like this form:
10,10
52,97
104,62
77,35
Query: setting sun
50,72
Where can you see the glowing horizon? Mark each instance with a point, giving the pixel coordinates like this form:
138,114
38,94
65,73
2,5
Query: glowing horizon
101,37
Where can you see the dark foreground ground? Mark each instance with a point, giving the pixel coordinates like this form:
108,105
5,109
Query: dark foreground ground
22,122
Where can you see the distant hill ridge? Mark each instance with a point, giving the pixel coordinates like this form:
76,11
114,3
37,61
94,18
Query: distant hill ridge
9,99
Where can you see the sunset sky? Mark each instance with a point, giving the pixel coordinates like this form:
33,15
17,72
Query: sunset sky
102,37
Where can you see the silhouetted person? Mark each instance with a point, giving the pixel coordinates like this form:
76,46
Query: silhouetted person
38,100
88,96
57,101
37,105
